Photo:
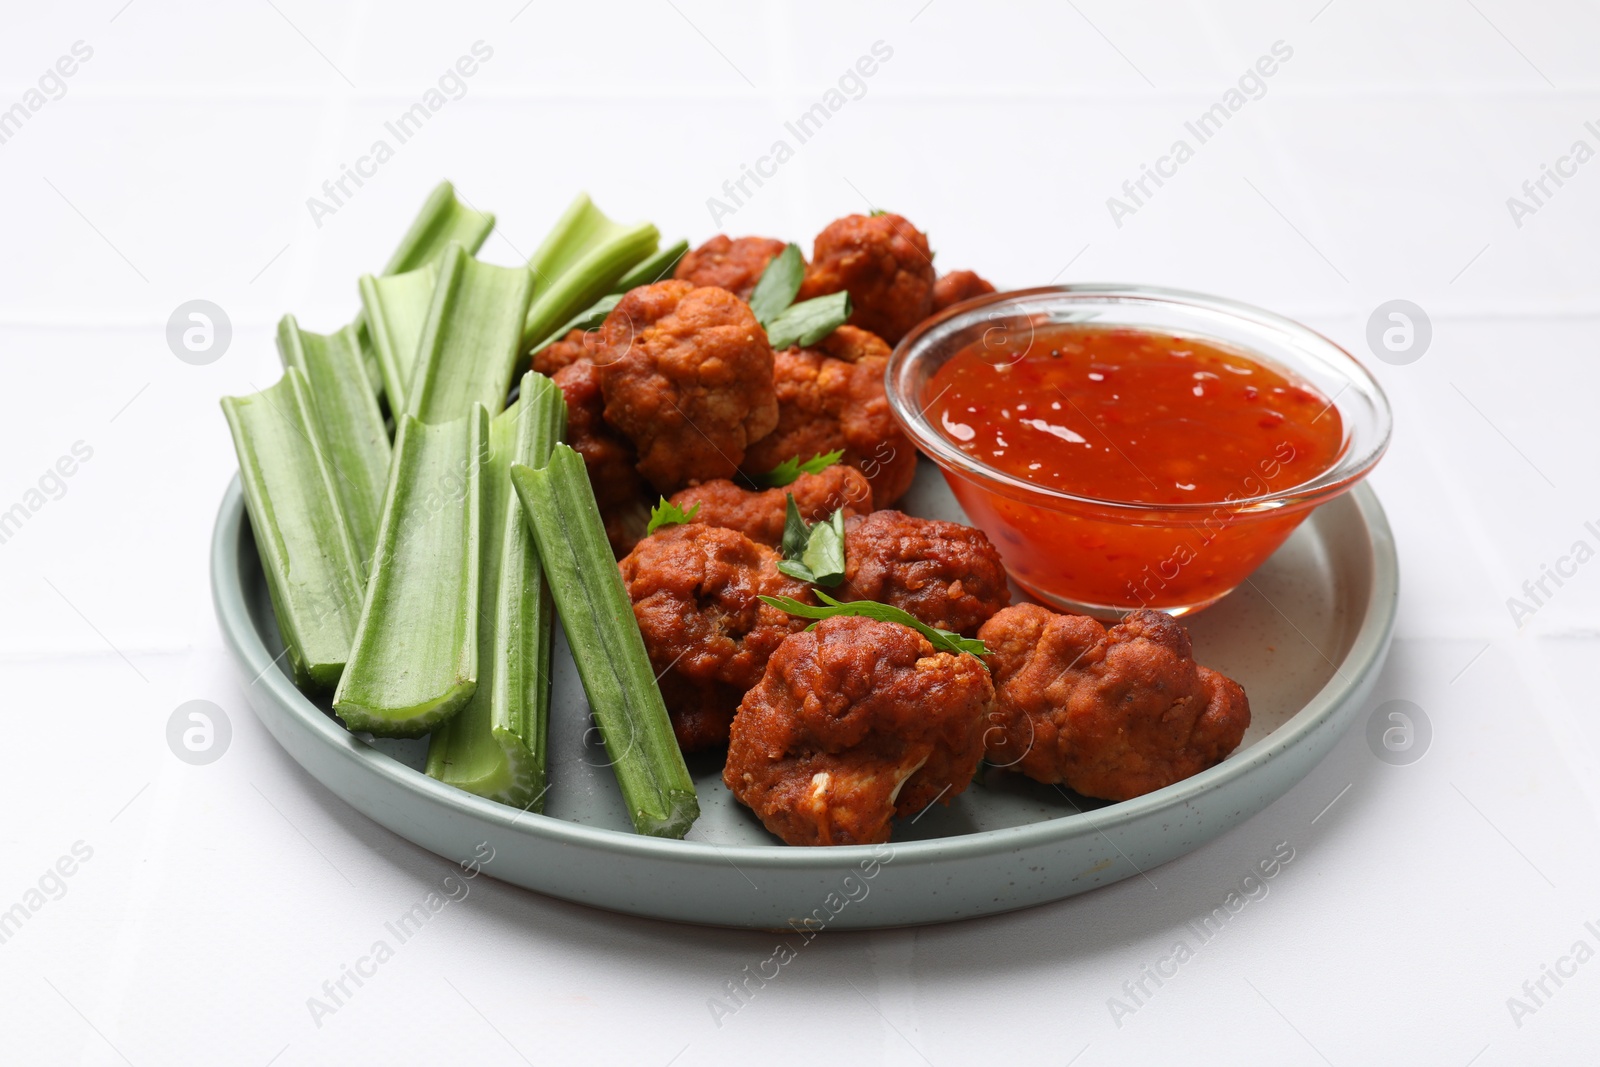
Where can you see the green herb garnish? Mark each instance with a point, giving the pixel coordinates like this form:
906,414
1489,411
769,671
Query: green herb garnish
792,468
667,513
809,321
779,283
943,640
813,553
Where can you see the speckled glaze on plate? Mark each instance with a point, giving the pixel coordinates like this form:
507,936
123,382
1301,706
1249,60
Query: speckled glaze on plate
1306,636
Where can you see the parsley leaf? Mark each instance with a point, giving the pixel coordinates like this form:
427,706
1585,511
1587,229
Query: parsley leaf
809,321
943,640
779,283
795,531
812,553
792,468
667,513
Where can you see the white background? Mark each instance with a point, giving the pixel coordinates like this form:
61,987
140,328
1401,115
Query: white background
1376,166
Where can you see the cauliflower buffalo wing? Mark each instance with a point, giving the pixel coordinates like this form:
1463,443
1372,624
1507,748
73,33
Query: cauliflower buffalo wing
1111,713
760,515
695,592
575,346
853,723
687,377
947,575
883,262
734,264
609,458
831,398
957,286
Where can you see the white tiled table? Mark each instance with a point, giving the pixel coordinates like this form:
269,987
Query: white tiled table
1375,165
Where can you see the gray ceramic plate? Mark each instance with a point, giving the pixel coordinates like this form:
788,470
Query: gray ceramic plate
1306,637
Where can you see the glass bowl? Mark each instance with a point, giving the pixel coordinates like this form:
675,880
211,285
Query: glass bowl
1101,556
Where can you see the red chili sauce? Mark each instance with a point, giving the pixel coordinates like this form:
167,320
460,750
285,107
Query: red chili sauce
1117,414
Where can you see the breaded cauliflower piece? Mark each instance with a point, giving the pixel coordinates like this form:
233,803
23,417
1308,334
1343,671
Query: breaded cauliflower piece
957,286
831,397
576,345
622,495
687,377
883,262
947,575
734,264
853,723
695,591
1111,713
760,515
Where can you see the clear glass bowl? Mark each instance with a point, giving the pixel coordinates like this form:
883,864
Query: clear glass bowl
1104,557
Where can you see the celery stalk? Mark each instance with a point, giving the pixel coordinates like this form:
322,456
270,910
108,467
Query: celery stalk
606,644
414,658
396,309
495,745
658,267
415,655
583,259
590,278
350,421
312,566
443,219
469,343
579,228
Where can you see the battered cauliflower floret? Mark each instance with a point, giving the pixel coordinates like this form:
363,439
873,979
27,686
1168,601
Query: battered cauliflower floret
853,723
609,458
957,286
947,575
695,591
884,263
831,398
687,377
1111,713
576,345
760,515
734,264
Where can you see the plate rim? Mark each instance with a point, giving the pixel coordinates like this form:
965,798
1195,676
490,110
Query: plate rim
1367,651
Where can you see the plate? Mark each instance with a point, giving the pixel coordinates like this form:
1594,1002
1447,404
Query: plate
1306,636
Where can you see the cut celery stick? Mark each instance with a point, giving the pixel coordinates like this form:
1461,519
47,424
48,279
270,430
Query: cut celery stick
495,746
396,309
351,423
312,568
370,367
606,644
443,218
414,658
470,341
583,259
578,229
658,267
588,280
